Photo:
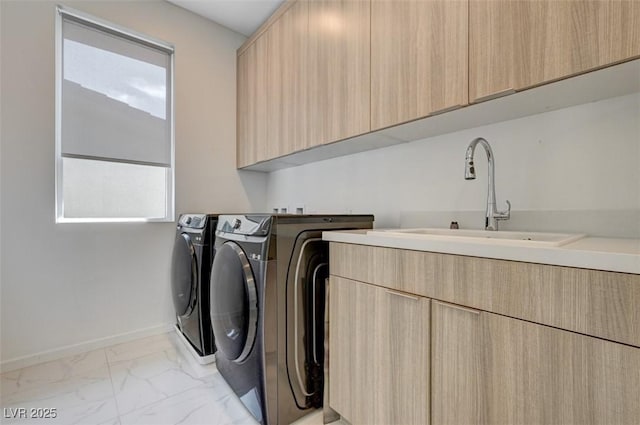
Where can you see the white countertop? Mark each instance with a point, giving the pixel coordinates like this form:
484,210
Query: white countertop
610,254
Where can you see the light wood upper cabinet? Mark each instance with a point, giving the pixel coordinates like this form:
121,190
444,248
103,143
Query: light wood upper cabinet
379,358
287,41
418,59
519,44
320,71
338,67
304,81
252,104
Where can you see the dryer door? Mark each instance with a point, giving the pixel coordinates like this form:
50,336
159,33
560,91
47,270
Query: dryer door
184,275
306,276
234,302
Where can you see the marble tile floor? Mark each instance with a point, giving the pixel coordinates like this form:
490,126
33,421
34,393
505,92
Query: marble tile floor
153,381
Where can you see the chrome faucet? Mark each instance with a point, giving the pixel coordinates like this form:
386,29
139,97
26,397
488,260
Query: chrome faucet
492,214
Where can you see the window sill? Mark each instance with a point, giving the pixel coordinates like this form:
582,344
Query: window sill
61,220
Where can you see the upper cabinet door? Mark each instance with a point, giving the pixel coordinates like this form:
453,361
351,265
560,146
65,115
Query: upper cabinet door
287,42
519,44
338,70
251,134
419,53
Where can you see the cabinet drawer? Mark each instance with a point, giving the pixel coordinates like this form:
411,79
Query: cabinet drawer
363,263
597,303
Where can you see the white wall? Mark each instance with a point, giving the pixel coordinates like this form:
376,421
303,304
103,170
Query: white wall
68,284
582,160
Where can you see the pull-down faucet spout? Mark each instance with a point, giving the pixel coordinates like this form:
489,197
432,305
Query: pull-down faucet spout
492,214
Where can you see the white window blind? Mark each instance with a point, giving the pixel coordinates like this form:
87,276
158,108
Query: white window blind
114,107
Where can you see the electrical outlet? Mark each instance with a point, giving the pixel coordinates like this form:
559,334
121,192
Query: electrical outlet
297,208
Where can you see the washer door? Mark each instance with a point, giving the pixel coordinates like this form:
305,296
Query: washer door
234,302
184,275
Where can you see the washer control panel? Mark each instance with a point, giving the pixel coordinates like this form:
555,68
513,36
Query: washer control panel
248,225
193,221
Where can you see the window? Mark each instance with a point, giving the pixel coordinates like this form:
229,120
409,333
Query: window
114,123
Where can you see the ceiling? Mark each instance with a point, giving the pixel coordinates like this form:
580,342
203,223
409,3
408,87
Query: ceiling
243,16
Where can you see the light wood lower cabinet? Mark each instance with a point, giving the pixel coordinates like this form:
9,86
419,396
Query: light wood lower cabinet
379,358
456,394
592,302
491,369
533,374
399,358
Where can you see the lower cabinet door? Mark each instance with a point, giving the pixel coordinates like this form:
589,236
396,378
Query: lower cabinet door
491,369
535,374
379,354
456,338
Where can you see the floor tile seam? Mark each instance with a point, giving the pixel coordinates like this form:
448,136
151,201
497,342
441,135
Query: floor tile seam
20,371
57,385
3,395
36,396
185,366
204,384
164,398
88,406
130,359
113,388
165,335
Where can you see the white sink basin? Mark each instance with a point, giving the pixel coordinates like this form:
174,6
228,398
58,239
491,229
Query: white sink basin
482,236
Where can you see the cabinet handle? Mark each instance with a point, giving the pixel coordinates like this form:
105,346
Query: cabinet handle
456,307
402,294
495,95
447,109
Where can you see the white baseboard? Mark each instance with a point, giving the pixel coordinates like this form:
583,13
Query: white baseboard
83,347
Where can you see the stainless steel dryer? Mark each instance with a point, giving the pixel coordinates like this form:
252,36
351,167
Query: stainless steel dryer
267,309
